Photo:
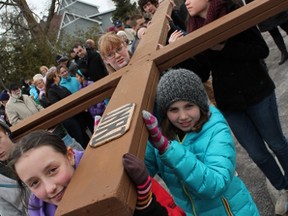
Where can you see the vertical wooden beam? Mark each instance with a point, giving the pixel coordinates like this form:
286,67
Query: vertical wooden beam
99,185
100,179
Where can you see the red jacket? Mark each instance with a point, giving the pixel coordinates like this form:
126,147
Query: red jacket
163,205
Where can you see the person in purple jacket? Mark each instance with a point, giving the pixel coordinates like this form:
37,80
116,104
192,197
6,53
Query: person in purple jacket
97,109
44,165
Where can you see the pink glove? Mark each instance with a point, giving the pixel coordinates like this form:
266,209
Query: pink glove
155,136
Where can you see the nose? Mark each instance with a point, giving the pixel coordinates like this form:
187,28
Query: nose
50,187
117,54
182,115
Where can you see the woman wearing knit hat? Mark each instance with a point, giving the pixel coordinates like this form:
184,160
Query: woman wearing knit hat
195,153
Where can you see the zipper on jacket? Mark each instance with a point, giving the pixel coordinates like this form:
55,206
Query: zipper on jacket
227,207
191,199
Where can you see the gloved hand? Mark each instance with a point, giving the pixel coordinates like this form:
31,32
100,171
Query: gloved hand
135,169
155,136
138,173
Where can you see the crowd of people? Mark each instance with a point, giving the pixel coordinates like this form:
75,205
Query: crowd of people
191,140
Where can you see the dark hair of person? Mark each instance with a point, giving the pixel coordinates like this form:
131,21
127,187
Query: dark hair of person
50,80
141,3
77,44
30,141
170,131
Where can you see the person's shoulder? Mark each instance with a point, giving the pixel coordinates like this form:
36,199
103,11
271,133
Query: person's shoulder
215,116
26,97
130,30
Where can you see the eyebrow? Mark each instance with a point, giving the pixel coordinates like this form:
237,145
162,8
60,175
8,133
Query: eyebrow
44,170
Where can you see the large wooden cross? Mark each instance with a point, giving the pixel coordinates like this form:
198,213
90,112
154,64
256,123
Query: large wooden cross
100,185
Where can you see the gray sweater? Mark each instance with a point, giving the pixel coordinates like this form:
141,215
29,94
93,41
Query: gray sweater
10,200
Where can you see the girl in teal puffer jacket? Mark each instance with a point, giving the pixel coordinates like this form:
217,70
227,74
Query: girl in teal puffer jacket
196,155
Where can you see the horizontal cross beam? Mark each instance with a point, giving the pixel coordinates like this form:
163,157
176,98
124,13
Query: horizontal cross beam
68,106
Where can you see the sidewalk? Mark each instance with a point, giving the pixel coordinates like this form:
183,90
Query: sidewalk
263,193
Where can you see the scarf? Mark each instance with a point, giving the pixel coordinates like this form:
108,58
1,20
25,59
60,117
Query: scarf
217,9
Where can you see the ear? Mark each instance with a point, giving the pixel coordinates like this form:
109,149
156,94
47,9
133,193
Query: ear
70,156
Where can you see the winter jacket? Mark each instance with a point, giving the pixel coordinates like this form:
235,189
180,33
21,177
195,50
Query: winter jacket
17,109
10,201
199,171
239,74
57,93
93,64
167,207
71,83
34,93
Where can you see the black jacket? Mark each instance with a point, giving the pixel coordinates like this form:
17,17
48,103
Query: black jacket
93,65
57,93
239,75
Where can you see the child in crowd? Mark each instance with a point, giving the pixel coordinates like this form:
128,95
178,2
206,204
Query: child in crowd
114,51
10,201
196,155
54,165
97,109
67,80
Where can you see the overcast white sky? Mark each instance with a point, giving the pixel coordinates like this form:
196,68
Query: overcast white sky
41,6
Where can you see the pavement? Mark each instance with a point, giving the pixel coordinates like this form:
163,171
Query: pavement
260,188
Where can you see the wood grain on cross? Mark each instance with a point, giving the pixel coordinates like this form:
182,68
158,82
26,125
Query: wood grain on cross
100,186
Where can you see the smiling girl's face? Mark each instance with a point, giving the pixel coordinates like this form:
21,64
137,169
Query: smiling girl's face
46,172
184,115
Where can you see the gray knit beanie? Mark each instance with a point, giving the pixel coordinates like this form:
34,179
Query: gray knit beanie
180,84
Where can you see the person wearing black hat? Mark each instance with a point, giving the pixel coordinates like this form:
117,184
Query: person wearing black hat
20,106
10,203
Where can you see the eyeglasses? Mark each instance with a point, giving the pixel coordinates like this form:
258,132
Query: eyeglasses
112,54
